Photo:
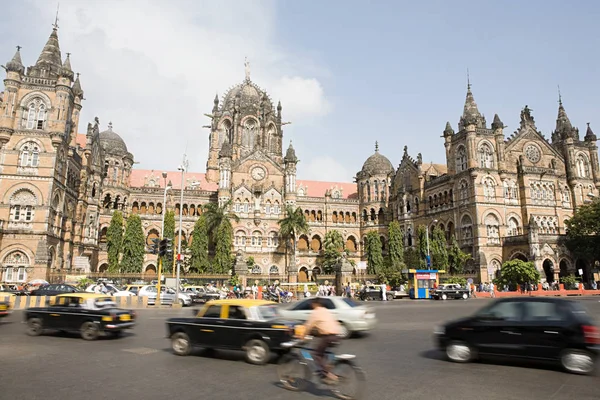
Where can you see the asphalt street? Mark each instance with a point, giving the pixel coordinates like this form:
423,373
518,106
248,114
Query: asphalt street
399,359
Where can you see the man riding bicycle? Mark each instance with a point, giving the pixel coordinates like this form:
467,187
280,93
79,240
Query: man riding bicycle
327,328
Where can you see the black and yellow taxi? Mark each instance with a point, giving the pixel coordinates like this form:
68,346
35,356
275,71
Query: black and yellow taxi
89,314
5,300
253,326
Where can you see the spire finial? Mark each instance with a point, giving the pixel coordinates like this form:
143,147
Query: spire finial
110,126
559,96
55,24
468,80
376,146
247,68
19,48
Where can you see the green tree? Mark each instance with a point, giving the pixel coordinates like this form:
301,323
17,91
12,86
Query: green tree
583,231
114,241
333,245
223,260
374,254
290,226
422,246
217,215
439,251
134,246
411,258
569,281
517,272
395,245
169,233
199,248
456,258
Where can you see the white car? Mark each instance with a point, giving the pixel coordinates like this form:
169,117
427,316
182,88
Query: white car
112,291
167,295
352,316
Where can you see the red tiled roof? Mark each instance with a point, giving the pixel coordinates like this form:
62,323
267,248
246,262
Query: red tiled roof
318,188
81,140
138,179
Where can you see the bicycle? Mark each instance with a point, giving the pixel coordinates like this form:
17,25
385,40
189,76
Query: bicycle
298,367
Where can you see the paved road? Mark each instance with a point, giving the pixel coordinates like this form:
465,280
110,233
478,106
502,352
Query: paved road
398,357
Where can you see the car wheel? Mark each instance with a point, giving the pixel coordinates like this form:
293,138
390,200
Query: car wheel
577,361
34,327
390,297
89,331
444,296
459,352
180,343
116,334
182,302
257,352
345,333
465,296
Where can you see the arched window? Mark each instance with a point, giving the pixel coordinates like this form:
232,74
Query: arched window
30,155
268,207
36,114
22,206
152,235
351,244
256,270
376,198
510,190
302,243
276,210
466,227
15,267
273,239
486,156
226,133
115,171
513,227
249,133
274,270
493,269
463,190
257,239
368,192
315,243
583,167
492,226
240,238
461,159
489,189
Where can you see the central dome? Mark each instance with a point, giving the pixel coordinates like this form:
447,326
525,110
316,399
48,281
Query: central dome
112,143
248,95
377,164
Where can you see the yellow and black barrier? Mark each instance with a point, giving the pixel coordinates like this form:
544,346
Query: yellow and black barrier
24,302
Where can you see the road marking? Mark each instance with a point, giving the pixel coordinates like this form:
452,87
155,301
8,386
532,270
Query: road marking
142,351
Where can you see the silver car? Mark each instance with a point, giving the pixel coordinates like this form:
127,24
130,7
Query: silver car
352,316
167,295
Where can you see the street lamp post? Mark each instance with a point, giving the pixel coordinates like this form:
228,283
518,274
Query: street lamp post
183,167
162,236
427,236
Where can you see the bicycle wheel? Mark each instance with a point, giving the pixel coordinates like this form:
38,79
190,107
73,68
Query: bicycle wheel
292,374
351,380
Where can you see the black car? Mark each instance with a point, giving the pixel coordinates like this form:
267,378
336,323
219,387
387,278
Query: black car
373,292
532,328
54,289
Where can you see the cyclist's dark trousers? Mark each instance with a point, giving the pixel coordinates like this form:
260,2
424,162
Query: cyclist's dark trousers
319,355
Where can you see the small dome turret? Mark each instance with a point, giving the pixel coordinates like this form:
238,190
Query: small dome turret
16,65
377,164
112,143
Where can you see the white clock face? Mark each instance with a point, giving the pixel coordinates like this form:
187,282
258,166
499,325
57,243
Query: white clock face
532,153
258,173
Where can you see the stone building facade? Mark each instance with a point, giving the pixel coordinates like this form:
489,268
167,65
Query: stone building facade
502,198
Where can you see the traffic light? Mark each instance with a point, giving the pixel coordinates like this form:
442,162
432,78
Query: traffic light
162,247
154,249
169,248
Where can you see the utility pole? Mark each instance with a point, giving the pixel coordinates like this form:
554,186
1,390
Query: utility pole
183,167
162,239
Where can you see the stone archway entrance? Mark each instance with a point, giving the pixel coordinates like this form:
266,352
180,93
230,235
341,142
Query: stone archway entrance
303,275
548,266
564,269
150,270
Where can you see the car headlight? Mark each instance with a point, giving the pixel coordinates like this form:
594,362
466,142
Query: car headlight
439,330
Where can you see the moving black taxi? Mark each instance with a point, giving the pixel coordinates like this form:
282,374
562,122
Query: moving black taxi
90,314
533,328
253,326
5,308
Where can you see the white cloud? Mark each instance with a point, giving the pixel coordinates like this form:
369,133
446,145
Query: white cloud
153,67
324,168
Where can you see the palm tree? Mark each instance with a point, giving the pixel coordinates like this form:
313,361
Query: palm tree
292,225
216,214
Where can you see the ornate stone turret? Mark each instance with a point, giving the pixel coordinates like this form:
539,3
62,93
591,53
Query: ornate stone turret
49,63
497,124
16,65
290,161
498,127
589,134
216,103
66,70
373,182
471,114
448,131
77,91
564,129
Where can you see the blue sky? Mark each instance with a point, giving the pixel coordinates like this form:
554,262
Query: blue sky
347,72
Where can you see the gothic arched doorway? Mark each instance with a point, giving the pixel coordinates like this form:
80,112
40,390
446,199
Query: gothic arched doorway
582,271
564,268
303,275
548,266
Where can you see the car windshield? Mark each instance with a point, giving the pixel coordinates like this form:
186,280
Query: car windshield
350,302
267,312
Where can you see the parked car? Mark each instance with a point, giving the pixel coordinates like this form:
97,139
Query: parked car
90,314
167,295
54,289
532,327
134,288
400,293
14,289
254,326
373,292
352,316
200,294
112,290
450,291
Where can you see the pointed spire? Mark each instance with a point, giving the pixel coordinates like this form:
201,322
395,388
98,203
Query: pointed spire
247,68
110,125
589,134
16,65
216,103
77,91
497,123
279,106
66,70
563,123
471,114
448,131
50,58
290,154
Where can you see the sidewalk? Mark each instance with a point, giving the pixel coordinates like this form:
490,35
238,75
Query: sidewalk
541,292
